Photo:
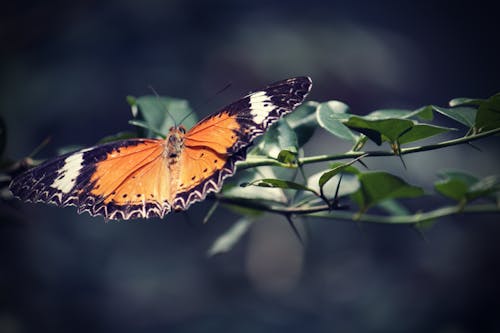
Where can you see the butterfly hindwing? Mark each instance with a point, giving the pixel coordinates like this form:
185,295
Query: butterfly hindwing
207,174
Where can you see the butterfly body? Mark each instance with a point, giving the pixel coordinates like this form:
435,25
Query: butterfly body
143,178
174,143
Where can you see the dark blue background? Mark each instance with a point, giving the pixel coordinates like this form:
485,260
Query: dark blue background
66,68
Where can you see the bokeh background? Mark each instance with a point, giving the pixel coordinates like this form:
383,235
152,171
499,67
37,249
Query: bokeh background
65,69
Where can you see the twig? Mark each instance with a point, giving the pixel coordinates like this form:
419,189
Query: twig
258,161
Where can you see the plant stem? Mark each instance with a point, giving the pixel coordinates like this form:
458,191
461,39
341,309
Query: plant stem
411,219
255,162
323,211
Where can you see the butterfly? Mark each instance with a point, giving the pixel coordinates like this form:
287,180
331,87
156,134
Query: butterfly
144,178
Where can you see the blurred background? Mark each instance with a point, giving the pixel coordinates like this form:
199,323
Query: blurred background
65,70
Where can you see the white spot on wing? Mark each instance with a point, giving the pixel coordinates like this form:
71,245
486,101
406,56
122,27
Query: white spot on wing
260,106
66,176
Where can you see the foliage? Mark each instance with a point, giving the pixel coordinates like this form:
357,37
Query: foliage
272,179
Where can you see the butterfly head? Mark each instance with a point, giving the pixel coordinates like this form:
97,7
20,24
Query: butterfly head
175,141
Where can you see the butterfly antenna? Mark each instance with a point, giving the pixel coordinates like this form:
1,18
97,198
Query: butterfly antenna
163,104
209,100
226,87
38,148
186,116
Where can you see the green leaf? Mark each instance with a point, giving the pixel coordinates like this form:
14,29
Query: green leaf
303,122
347,169
488,114
465,177
325,177
232,187
336,168
118,136
230,238
159,114
330,116
452,188
378,186
348,186
461,101
389,113
463,115
288,157
279,183
461,186
391,129
425,113
279,137
146,128
422,113
454,184
484,187
422,131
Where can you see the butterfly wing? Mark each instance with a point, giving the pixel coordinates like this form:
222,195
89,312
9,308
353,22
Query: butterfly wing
119,180
214,145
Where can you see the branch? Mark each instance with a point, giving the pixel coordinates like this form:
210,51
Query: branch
252,162
323,211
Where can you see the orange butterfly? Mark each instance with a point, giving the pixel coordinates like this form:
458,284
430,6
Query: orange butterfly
143,178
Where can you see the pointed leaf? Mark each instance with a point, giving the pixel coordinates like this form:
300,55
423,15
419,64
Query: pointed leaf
454,184
278,183
232,187
231,237
484,187
146,128
422,131
422,113
463,115
349,184
288,157
452,188
378,186
388,113
461,101
391,128
465,177
161,113
330,116
347,169
303,122
461,186
425,113
336,168
279,137
488,114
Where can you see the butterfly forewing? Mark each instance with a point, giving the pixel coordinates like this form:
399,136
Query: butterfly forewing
238,124
215,144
